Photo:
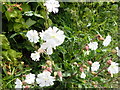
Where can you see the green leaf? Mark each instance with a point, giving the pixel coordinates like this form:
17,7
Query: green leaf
17,27
5,43
30,22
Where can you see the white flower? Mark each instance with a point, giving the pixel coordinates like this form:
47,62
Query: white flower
113,68
53,37
82,75
95,66
93,45
33,36
44,79
52,5
30,78
118,51
18,83
35,56
107,41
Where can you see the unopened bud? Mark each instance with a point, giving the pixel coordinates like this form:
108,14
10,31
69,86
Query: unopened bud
22,63
59,73
94,73
81,69
114,51
9,73
43,67
55,74
95,86
90,62
93,83
41,50
87,48
75,63
24,75
84,66
99,37
23,82
9,9
48,62
49,69
109,62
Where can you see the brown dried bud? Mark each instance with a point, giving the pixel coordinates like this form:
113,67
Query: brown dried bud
9,73
99,37
89,62
114,51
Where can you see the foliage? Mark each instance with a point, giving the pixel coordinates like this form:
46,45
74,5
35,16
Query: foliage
80,21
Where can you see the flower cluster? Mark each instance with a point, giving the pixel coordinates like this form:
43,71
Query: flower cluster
52,36
43,79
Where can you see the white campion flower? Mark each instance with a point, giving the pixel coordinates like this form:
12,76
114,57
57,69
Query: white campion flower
93,45
30,78
113,68
18,83
35,56
33,36
95,66
44,79
118,51
53,37
107,40
82,75
52,5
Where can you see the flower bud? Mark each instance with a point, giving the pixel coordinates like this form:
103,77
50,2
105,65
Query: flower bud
109,62
99,37
43,67
26,87
87,48
41,50
114,51
81,69
55,74
48,62
94,73
84,66
9,9
90,62
75,63
93,83
9,73
60,75
22,63
49,69
95,86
